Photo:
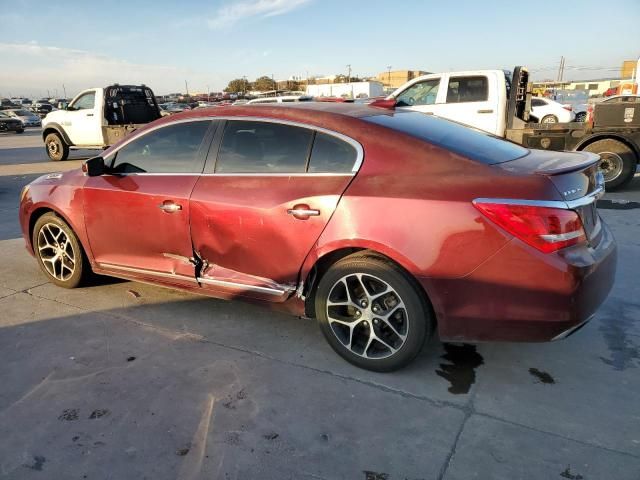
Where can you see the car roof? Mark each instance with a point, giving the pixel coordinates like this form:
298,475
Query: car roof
302,111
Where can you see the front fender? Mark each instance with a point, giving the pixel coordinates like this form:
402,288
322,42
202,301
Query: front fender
46,129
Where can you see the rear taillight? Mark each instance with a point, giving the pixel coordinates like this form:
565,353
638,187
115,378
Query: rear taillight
544,228
568,107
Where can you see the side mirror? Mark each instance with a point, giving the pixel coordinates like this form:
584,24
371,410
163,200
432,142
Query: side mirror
94,167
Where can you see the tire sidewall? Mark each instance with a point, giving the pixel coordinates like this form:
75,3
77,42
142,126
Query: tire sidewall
78,274
420,322
628,160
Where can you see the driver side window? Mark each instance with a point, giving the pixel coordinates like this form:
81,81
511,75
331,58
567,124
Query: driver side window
423,93
171,149
85,102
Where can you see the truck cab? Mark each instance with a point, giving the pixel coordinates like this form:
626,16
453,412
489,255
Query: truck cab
98,117
477,98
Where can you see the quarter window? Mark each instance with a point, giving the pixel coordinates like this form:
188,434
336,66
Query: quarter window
467,89
423,93
536,102
171,149
263,147
85,102
331,155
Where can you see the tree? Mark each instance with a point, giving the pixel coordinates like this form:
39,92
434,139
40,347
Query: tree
238,85
264,83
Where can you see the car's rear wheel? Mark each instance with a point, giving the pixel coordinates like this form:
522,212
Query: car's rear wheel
617,164
549,119
57,149
59,252
372,312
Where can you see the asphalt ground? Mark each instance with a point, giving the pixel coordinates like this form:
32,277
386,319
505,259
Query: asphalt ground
122,380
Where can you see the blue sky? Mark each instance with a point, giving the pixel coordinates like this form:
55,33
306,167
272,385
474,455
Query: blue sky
162,43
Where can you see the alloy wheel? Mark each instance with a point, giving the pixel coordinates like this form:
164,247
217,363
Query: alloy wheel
611,165
56,252
367,316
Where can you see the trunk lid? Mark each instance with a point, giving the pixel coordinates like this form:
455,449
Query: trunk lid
575,176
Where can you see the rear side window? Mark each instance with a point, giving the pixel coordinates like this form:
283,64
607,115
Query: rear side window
170,149
263,147
468,89
536,102
469,142
331,155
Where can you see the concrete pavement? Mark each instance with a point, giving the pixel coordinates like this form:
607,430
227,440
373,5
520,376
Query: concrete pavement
125,380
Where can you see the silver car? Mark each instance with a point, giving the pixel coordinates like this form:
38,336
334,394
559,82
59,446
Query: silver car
29,119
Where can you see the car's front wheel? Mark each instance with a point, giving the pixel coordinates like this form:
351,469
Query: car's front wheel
549,119
59,252
372,312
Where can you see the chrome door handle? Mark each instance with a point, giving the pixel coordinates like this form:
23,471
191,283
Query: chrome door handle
303,212
89,114
485,111
170,207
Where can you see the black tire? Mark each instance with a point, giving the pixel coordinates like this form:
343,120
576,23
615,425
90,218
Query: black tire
56,147
580,117
409,306
42,236
549,119
20,131
614,152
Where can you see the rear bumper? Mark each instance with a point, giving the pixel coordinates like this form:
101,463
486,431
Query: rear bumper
523,295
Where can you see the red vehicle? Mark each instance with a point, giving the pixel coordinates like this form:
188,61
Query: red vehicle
385,226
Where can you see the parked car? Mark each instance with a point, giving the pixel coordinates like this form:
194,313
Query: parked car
6,103
383,225
10,124
97,118
28,119
549,111
577,100
42,109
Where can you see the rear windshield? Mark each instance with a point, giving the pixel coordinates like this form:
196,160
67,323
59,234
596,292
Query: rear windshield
466,141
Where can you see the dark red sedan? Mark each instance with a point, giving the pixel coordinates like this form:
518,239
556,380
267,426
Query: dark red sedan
385,226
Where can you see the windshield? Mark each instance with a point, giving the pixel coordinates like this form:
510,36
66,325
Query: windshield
23,113
466,141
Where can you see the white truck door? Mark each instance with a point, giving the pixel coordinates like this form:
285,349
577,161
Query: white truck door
471,99
420,96
83,119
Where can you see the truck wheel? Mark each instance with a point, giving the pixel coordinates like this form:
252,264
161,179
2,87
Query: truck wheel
56,148
549,119
618,162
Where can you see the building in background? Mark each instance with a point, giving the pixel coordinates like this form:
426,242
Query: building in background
395,78
628,69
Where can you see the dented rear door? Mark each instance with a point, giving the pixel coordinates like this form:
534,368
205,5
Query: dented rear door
263,205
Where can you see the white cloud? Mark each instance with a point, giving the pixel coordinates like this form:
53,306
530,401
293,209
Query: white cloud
32,69
231,14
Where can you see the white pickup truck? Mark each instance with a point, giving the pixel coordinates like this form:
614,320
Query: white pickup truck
499,102
97,118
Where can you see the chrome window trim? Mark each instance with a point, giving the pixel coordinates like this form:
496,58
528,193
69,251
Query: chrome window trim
566,205
355,144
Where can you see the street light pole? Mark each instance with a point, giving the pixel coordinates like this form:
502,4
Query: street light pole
349,73
389,75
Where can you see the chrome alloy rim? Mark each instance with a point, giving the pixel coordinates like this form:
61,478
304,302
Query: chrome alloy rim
56,252
367,316
611,165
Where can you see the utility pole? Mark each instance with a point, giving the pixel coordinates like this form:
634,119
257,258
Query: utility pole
186,87
244,85
389,77
560,69
208,93
65,91
349,73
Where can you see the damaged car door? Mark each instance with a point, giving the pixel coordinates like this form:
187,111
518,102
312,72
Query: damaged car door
268,190
137,213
